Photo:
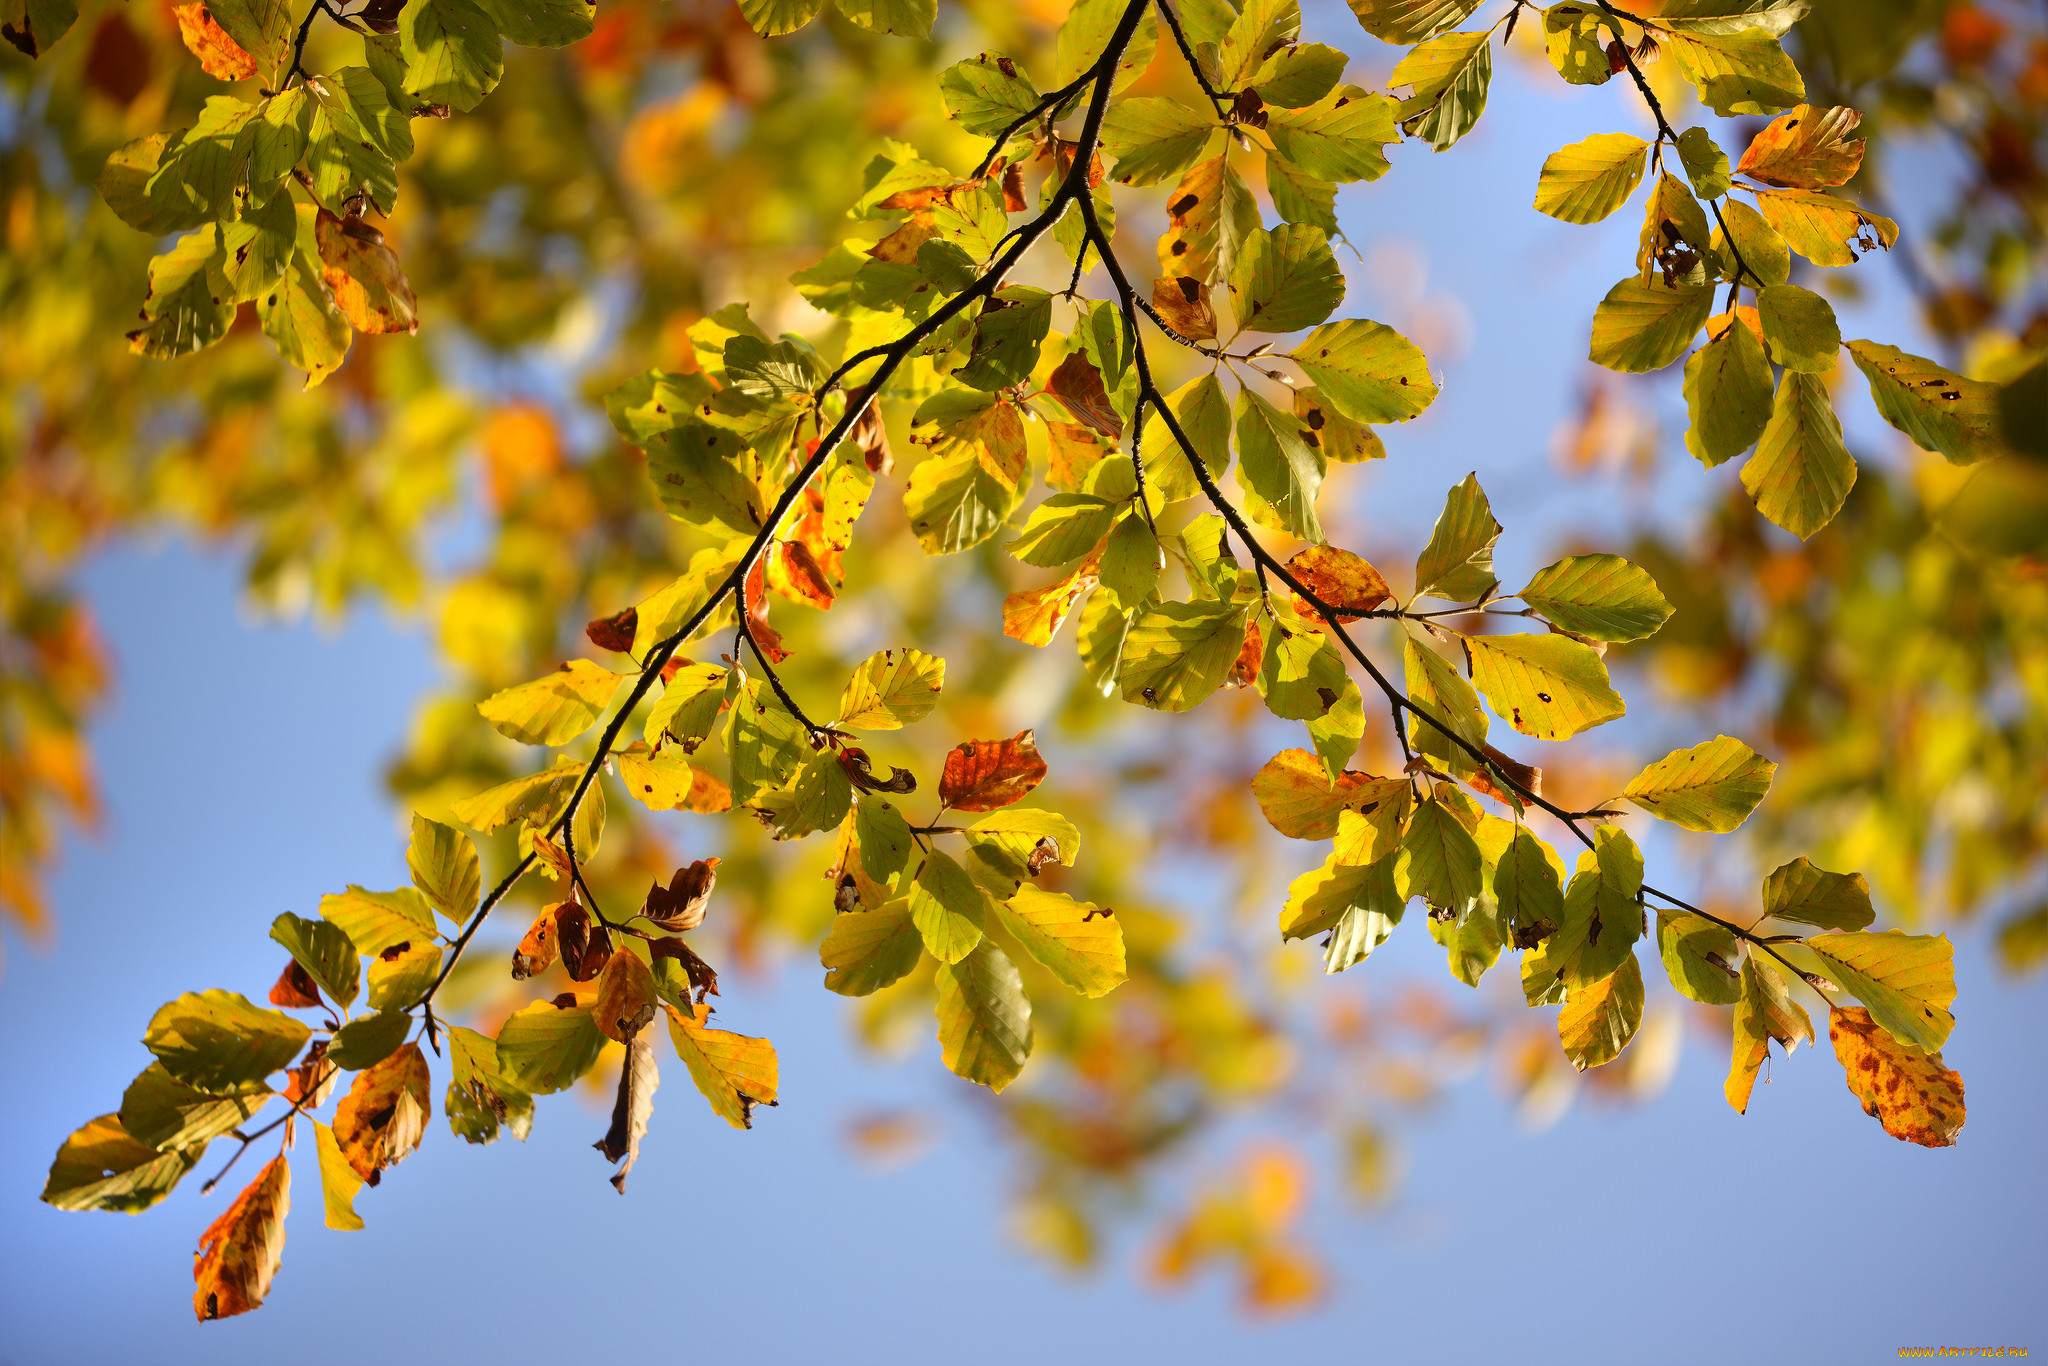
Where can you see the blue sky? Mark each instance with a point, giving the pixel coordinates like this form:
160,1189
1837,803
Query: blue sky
241,766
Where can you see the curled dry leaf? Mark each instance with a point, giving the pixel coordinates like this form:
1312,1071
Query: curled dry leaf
625,996
538,948
1528,776
585,948
1911,1093
638,1079
1244,671
985,775
384,1115
871,437
369,285
615,633
700,973
240,1251
220,56
765,637
311,1078
860,771
295,988
1346,582
679,907
381,16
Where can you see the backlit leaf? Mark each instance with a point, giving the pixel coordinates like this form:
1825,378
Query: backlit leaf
325,951
1370,372
1153,138
546,1046
984,1017
1801,473
1706,165
1285,280
1598,1020
625,996
445,868
1298,799
773,18
987,93
892,689
1085,36
1807,148
1575,38
735,1072
1799,327
376,921
947,907
1278,466
1908,1090
867,950
1410,21
1548,686
1178,653
1339,137
1764,1012
1449,77
1641,327
217,1041
338,1181
1077,942
1743,73
984,775
1820,226
1602,596
103,1166
1589,180
369,1039
524,798
1806,895
1604,896
240,1251
1457,564
555,709
1935,406
1728,395
1443,695
1439,861
1711,787
384,1115
1701,958
162,1112
1906,981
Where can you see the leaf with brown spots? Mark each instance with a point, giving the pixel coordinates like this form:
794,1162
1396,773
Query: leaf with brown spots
1910,1092
537,949
1344,581
625,997
1184,302
240,1251
982,775
369,286
1251,656
1335,435
734,1072
679,907
1034,615
384,1115
220,56
793,571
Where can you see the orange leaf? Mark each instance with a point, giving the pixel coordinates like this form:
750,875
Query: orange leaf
295,989
537,949
708,795
1528,775
1911,1093
1076,449
220,56
1343,580
1077,384
766,638
1245,671
984,775
369,285
794,572
1184,302
614,633
384,1115
1806,148
312,1077
1298,798
240,1251
625,996
1033,615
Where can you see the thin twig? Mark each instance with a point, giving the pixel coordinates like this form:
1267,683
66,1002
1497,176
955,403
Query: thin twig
1187,53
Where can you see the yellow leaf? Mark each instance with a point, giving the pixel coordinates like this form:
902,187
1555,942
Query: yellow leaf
555,709
338,1180
734,1072
1078,943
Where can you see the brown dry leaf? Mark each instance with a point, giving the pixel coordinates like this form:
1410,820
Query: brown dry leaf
1063,161
1013,189
1806,148
1528,775
1184,302
1911,1093
1077,384
240,1251
734,1072
871,437
679,907
985,775
614,633
381,16
295,989
638,1079
700,973
537,949
368,284
794,572
625,996
1299,800
1345,581
384,1115
1034,615
585,948
311,1079
220,56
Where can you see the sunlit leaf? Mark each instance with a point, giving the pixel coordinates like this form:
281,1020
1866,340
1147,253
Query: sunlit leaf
1806,895
1370,372
734,1072
240,1251
1448,77
103,1166
1178,653
1641,327
1548,686
1339,137
1799,327
1599,1019
1906,981
384,1115
984,1017
1701,958
947,907
1935,406
323,949
867,950
1588,180
1077,942
1764,1012
1741,73
1906,1089
547,1045
1806,148
1602,596
1728,395
1711,787
338,1181
1801,473
217,1041
163,1113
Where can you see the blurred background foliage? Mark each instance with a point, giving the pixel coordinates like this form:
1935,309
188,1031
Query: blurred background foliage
567,233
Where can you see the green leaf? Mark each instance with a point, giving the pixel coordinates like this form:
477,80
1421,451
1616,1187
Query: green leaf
884,837
1258,29
1801,473
1548,686
542,23
1301,673
703,476
1007,338
1706,165
1154,139
1278,465
128,183
453,54
773,18
445,867
256,249
1299,197
1410,21
1441,692
33,25
1799,892
1906,981
1285,280
323,950
1598,1020
1439,861
1711,787
301,320
1732,16
892,689
1700,957
1204,415
1177,653
217,1041
1575,38
1077,942
187,308
162,1112
1589,180
1367,370
972,481
1457,564
1372,907
369,1039
1602,596
1339,137
867,950
1728,391
987,93
689,706
764,741
376,921
1009,846
984,1017
343,157
1743,73
1765,255
261,28
1085,37
1604,896
102,1166
1300,74
1064,527
1939,409
675,606
735,1073
1131,562
399,977
555,709
1528,888
487,1096
1641,327
545,1047
1449,76
1799,327
947,907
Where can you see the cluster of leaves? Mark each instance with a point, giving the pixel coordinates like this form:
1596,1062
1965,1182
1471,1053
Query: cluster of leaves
769,453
